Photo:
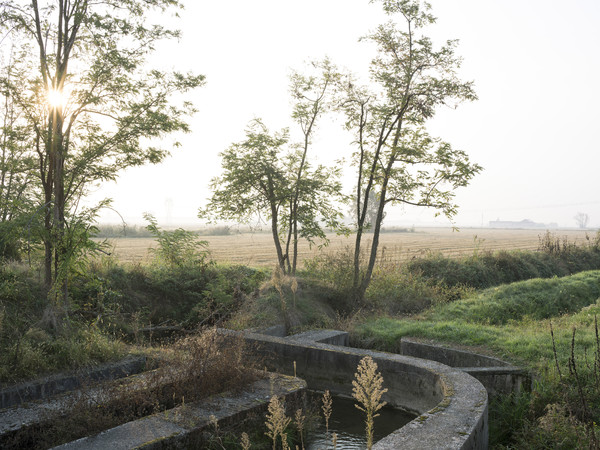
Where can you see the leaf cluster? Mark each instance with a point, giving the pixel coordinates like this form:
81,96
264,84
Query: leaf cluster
259,180
178,247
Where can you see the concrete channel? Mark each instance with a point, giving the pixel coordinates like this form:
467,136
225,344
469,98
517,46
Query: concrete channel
450,403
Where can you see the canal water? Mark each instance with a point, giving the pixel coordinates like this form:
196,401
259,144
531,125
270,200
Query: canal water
348,423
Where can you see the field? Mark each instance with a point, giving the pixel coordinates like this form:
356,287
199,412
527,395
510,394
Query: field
257,249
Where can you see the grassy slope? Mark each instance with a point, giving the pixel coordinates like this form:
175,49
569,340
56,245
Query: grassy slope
513,320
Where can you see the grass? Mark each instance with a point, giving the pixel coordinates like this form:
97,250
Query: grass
110,305
497,319
434,297
514,322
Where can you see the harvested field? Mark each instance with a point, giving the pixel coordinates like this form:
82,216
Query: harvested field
257,249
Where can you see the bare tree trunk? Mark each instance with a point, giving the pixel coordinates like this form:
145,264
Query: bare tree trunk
281,258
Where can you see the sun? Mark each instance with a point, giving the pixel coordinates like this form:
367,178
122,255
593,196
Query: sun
57,98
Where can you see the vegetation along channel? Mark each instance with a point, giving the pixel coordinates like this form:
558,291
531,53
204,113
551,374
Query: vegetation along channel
288,316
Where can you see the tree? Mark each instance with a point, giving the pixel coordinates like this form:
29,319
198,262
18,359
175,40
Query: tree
90,101
582,220
311,102
260,179
16,164
395,156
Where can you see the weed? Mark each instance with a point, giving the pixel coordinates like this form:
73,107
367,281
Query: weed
327,402
587,390
245,441
367,389
277,422
178,247
195,367
300,421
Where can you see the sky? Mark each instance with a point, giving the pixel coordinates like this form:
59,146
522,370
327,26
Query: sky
534,129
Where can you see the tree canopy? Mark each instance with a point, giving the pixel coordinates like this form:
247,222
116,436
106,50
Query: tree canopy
88,102
395,156
260,180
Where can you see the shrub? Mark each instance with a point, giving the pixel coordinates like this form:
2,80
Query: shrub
555,257
394,289
176,248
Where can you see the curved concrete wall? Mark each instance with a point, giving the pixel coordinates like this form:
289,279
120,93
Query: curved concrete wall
452,405
496,375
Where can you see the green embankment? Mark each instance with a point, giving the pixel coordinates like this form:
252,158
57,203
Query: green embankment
514,322
514,319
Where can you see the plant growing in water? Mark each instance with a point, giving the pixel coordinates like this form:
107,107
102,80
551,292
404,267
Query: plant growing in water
367,390
299,420
327,409
277,422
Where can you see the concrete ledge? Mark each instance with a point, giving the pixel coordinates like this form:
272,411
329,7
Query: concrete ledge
498,377
446,355
333,337
451,404
275,330
182,427
57,384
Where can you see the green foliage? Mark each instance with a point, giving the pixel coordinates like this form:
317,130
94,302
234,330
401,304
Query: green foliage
178,247
507,413
506,320
260,179
395,157
95,56
393,289
532,300
189,295
108,302
26,349
555,257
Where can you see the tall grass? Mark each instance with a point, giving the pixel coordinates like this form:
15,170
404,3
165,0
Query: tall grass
111,303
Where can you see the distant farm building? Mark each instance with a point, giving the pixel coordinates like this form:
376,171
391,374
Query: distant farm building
525,223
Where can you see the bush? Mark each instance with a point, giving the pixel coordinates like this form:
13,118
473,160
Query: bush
393,288
176,248
555,257
108,302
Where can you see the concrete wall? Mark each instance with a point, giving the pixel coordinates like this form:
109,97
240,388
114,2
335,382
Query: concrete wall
56,384
496,375
452,405
182,427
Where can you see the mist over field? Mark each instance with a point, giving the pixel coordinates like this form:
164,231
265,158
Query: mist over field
538,149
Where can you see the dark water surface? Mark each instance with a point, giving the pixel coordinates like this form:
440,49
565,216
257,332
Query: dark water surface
349,424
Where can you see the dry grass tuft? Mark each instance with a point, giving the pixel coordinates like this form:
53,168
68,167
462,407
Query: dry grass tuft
277,422
367,389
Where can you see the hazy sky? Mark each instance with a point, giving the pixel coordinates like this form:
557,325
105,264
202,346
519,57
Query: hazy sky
534,129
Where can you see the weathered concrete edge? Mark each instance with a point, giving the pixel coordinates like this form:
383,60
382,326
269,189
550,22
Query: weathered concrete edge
498,377
459,421
333,337
175,427
448,355
59,383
